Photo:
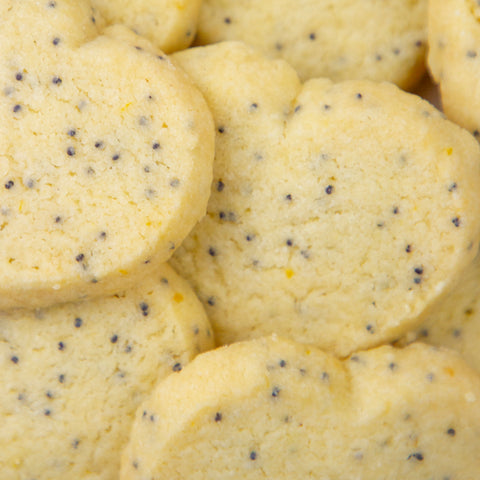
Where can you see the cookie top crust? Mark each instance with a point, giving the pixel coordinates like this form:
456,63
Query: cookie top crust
454,50
455,322
339,39
322,193
105,155
270,408
72,376
169,24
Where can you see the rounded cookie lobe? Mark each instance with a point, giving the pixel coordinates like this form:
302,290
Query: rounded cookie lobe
339,213
341,39
169,24
455,321
72,376
270,408
105,159
454,49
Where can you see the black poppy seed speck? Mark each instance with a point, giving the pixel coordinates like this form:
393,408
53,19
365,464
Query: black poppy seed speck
275,392
211,301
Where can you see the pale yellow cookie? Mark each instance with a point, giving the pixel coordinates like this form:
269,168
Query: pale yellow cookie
455,322
339,213
169,24
274,409
454,56
339,39
105,155
71,377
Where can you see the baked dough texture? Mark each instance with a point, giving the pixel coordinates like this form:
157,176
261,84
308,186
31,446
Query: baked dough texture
72,376
105,155
454,52
339,213
169,24
455,322
270,408
339,39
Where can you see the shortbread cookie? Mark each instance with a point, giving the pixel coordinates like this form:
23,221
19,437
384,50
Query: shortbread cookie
455,322
273,409
169,24
71,377
454,52
338,213
105,155
340,39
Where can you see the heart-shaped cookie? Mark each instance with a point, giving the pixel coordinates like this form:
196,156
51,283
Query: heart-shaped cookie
105,155
339,212
72,376
270,408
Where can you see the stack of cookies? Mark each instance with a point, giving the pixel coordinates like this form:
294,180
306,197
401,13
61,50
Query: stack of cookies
250,256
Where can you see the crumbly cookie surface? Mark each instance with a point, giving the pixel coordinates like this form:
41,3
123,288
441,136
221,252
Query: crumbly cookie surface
454,49
339,212
105,155
169,24
72,376
455,322
338,39
270,408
